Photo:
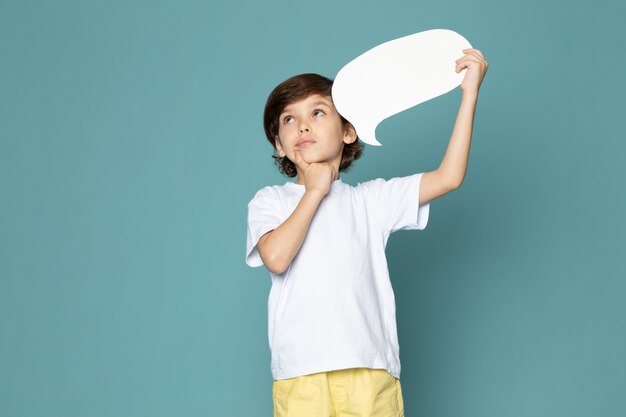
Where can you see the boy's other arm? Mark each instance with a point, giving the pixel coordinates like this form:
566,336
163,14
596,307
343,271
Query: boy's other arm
279,246
451,172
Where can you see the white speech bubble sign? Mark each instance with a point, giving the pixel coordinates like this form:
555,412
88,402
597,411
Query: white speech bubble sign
395,76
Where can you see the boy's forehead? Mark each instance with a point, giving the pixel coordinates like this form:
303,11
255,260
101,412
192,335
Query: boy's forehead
313,100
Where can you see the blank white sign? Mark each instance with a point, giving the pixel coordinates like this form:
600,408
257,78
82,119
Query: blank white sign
395,76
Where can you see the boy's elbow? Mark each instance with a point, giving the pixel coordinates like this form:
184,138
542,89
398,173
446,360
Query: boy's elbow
455,183
273,261
445,181
274,264
277,271
270,258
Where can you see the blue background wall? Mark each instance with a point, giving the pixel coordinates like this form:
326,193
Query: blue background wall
131,141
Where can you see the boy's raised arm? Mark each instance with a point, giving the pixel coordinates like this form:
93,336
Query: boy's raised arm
451,172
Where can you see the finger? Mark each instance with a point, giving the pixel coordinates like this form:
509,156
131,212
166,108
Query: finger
470,57
470,54
301,163
476,51
460,65
465,66
468,62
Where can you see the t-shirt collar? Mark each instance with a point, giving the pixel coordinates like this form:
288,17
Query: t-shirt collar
292,185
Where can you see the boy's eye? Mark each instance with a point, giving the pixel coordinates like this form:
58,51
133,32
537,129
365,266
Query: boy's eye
317,112
287,119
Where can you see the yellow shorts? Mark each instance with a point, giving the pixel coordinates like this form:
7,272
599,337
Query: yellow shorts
359,392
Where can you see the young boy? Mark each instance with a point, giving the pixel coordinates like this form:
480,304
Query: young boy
331,308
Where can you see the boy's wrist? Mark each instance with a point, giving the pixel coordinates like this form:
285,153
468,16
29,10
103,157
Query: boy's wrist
469,95
315,193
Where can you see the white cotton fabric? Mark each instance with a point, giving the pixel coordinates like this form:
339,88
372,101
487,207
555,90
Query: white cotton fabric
334,306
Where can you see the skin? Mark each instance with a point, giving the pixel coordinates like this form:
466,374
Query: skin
317,163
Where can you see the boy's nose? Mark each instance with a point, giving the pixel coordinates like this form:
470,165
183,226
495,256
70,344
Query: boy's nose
304,128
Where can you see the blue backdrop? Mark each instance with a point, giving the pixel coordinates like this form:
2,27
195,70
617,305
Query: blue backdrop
131,141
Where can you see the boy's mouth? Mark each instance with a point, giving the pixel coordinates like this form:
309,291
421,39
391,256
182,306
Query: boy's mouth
304,142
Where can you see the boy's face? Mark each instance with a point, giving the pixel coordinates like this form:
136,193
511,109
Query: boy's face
313,127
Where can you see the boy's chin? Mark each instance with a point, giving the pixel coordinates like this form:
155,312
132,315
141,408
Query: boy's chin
308,159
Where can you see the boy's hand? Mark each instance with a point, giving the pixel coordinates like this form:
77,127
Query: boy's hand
476,69
317,175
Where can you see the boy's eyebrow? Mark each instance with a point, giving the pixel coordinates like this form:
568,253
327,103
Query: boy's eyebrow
321,102
317,103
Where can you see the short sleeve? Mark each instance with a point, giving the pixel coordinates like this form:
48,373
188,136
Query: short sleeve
265,213
397,200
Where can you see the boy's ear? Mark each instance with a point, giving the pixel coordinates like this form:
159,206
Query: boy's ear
279,147
349,133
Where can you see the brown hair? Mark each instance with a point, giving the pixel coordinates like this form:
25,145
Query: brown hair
295,89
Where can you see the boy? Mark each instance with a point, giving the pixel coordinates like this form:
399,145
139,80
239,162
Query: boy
331,308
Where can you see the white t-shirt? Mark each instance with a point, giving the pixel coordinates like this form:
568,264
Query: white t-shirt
334,306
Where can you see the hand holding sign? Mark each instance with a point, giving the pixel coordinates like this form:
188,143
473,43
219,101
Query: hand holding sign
395,76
